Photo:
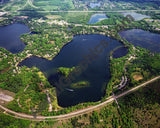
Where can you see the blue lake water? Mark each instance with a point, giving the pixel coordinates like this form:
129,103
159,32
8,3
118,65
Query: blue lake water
96,18
120,52
135,15
9,37
142,38
93,5
91,54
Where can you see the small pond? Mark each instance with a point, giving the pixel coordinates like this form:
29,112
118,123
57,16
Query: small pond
93,5
135,15
96,18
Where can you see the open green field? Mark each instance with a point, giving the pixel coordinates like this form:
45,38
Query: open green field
54,4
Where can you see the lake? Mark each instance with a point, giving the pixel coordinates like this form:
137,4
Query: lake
91,54
141,38
135,15
9,37
96,18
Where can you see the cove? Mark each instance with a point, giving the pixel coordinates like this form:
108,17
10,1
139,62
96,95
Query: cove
120,52
141,38
72,54
96,18
9,37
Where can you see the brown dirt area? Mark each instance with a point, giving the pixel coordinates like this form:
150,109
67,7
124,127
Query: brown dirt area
137,77
6,96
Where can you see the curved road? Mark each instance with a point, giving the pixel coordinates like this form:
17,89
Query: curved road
78,112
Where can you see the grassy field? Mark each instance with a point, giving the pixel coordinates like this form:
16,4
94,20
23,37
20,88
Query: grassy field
73,17
50,5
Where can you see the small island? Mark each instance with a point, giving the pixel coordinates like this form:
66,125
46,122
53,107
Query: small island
65,71
80,84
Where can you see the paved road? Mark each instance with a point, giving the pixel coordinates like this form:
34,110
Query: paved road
78,112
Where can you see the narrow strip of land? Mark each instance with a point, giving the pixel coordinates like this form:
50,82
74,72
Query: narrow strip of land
78,112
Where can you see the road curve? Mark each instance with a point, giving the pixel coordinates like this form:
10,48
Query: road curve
76,113
137,87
